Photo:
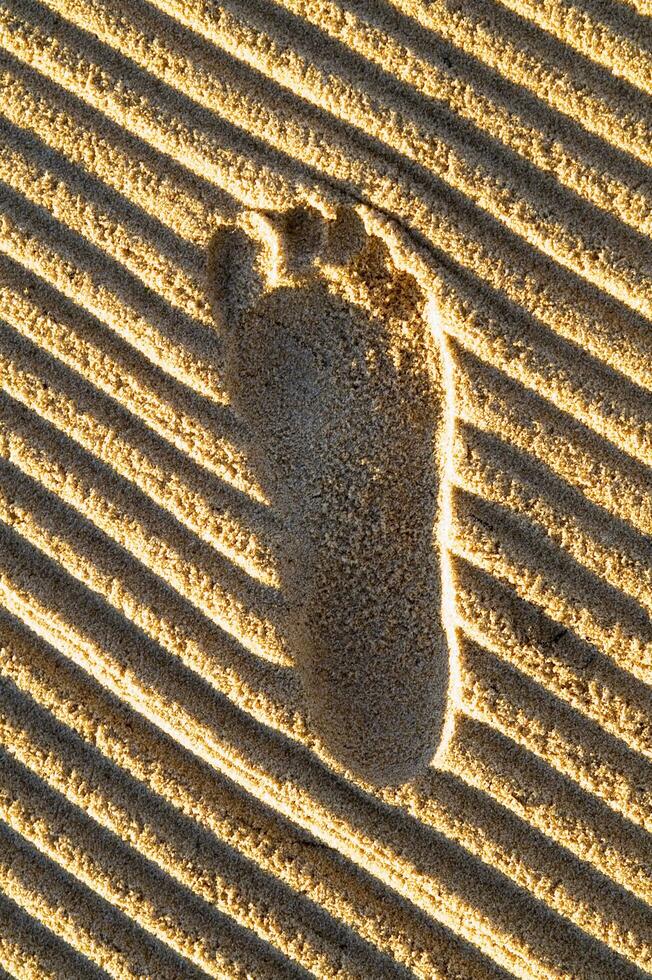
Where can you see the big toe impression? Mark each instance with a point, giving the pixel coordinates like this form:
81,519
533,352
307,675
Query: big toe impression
336,373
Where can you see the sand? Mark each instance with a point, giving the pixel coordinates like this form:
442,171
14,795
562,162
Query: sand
325,470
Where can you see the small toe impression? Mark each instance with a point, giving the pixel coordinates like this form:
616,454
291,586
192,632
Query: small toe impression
291,242
302,236
345,238
336,376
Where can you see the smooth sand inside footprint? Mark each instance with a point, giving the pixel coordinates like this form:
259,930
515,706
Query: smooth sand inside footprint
333,369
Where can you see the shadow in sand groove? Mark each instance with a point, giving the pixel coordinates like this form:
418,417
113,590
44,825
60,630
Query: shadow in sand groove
324,362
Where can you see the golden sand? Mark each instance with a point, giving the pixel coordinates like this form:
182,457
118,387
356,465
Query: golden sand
325,510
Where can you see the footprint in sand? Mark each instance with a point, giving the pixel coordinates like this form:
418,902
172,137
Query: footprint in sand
333,369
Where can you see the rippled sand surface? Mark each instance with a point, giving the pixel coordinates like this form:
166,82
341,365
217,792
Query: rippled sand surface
326,489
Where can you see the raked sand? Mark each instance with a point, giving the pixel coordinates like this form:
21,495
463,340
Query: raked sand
325,489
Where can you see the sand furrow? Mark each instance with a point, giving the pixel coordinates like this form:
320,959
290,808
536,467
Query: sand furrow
622,47
557,227
492,539
498,695
242,822
68,402
198,574
164,190
448,228
445,893
560,321
573,382
528,59
440,72
162,335
102,229
532,853
465,833
183,419
470,277
91,925
266,692
114,871
32,952
490,469
608,478
217,875
140,109
549,802
552,655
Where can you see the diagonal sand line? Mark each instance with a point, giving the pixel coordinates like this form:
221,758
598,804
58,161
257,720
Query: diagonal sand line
117,874
497,695
500,42
540,573
74,276
608,478
28,949
201,577
164,768
307,817
412,838
516,631
119,442
468,840
70,335
173,196
27,751
442,73
98,226
85,921
266,691
557,230
443,224
458,803
280,917
627,54
308,812
494,471
541,797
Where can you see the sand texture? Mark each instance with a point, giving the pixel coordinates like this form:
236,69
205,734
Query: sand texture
325,489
